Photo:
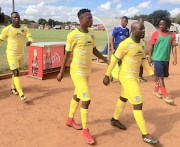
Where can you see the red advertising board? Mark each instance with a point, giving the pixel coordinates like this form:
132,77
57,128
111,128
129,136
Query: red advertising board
42,59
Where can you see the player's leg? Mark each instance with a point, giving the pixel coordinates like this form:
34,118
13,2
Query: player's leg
138,114
163,89
134,96
84,110
84,117
118,110
164,73
81,84
159,72
73,107
17,83
141,74
13,88
14,66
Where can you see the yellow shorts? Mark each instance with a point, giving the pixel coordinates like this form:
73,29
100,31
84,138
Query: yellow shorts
130,90
15,61
81,87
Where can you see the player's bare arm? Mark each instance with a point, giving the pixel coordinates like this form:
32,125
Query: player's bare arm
99,55
112,44
174,52
65,59
150,53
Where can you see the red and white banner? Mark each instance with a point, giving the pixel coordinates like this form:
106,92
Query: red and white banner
44,58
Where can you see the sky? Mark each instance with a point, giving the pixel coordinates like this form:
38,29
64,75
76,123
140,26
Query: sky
66,10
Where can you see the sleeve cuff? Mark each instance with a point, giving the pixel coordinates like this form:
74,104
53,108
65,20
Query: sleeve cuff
67,50
116,57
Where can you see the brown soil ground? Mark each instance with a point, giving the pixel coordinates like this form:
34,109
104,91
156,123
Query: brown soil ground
40,122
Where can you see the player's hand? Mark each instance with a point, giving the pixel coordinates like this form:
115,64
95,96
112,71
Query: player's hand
174,62
106,80
28,43
113,51
156,79
150,60
60,77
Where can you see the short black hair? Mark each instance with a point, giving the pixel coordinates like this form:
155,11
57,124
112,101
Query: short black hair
124,17
82,11
14,13
167,20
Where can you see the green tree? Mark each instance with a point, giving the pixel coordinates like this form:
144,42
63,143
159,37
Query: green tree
42,21
135,17
2,17
156,15
50,21
7,19
177,19
58,23
145,17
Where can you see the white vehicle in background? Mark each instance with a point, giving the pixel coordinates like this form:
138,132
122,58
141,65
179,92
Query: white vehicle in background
67,27
94,28
73,27
57,27
41,27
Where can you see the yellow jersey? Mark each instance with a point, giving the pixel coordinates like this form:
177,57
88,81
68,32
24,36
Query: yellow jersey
81,44
15,38
131,53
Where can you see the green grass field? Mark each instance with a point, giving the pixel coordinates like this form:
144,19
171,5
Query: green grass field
45,36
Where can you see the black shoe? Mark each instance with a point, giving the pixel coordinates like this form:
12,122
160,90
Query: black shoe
117,124
142,79
149,139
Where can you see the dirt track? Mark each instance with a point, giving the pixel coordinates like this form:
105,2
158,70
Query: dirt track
41,121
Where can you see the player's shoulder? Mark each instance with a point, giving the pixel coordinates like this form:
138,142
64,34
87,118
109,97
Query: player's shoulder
117,27
155,35
172,34
90,30
126,41
156,32
74,34
7,28
142,42
24,27
70,34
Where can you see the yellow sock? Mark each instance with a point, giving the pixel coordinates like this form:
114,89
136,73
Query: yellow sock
17,83
73,107
12,86
119,109
84,117
140,121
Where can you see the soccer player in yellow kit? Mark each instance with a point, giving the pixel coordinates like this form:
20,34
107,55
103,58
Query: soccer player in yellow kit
82,42
15,35
132,55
